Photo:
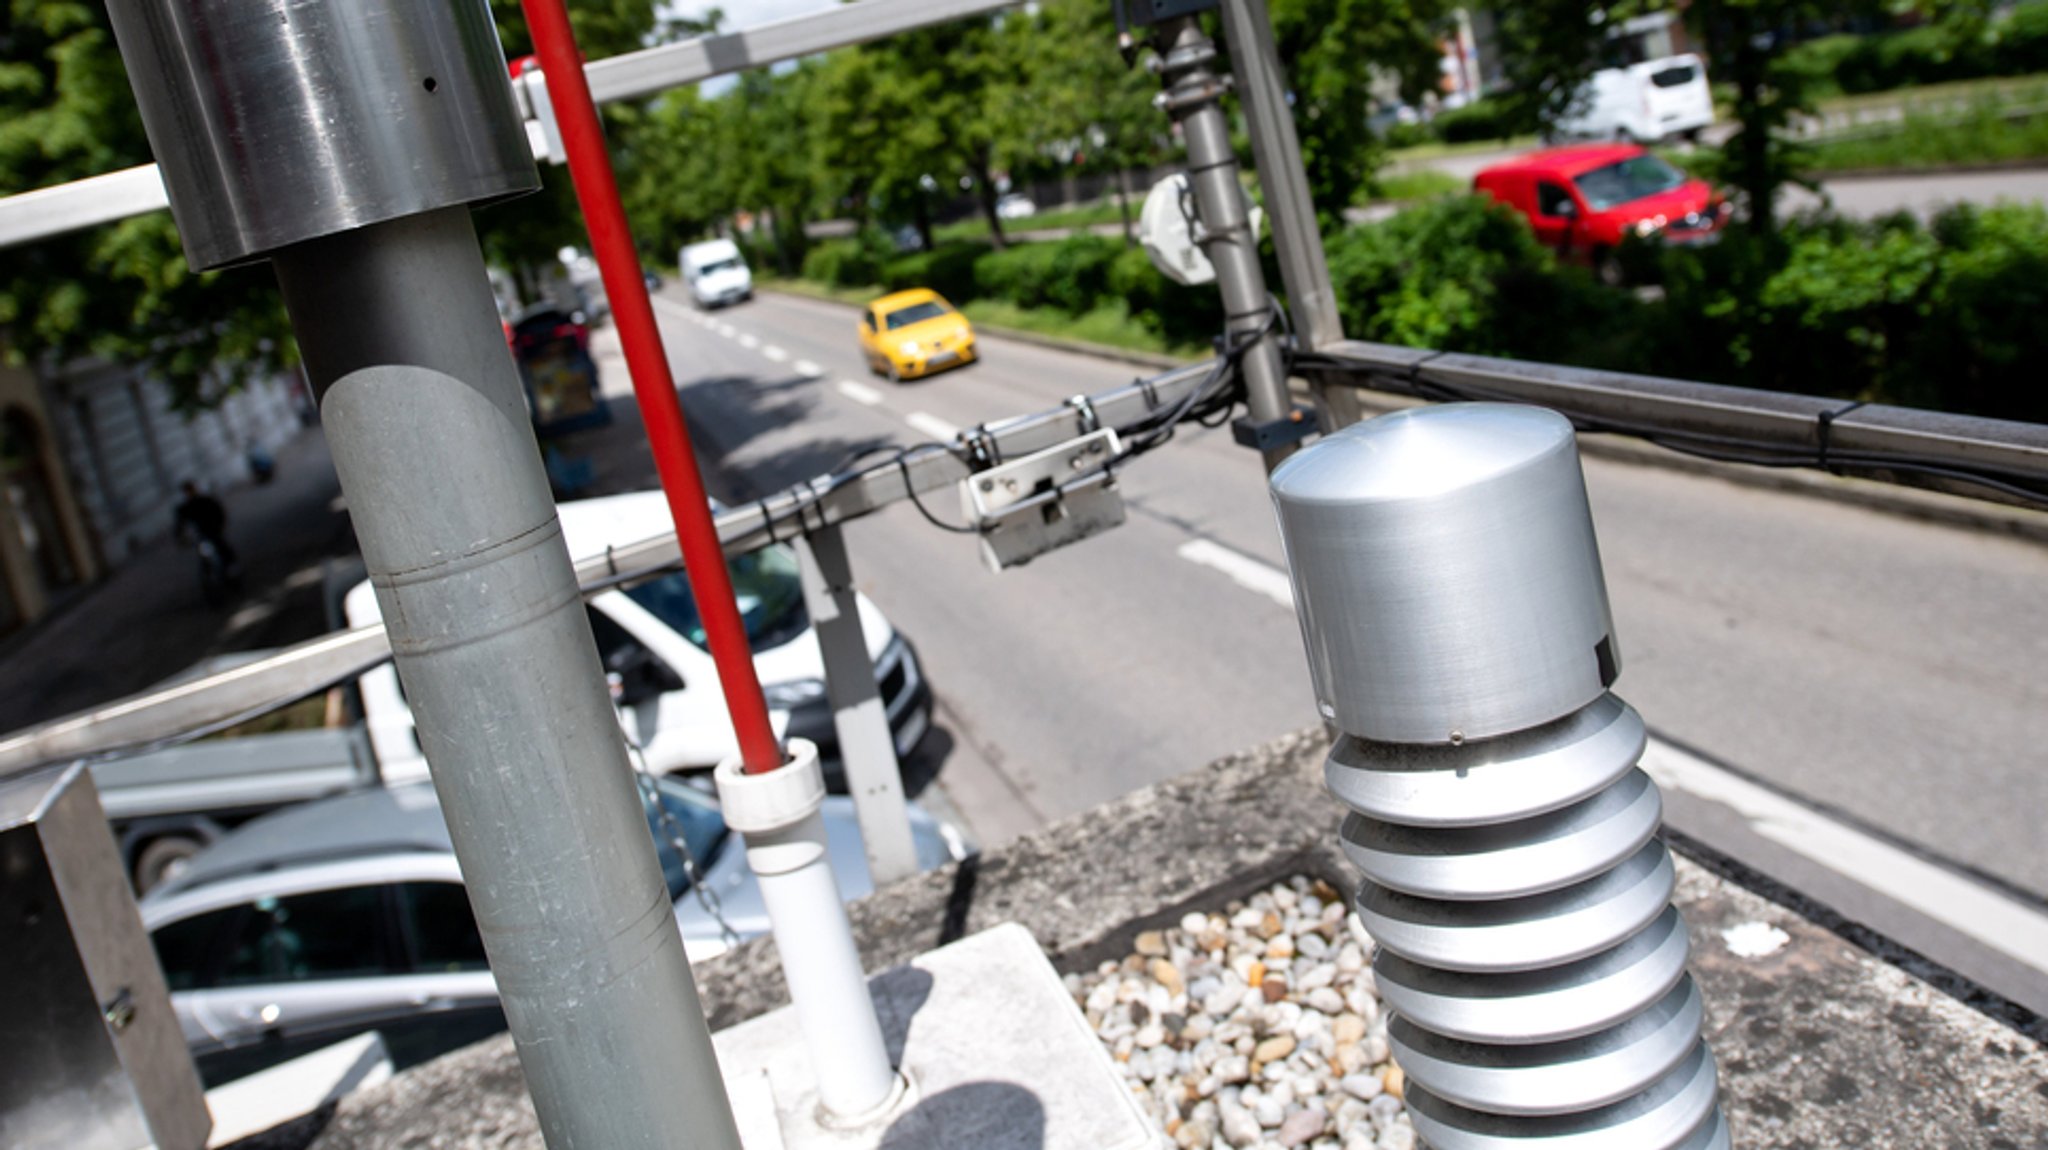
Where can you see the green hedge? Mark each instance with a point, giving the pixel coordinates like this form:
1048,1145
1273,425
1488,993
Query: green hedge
1071,275
1936,53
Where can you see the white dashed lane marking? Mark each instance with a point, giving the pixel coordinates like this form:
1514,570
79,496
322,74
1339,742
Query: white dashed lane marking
859,392
1243,570
932,425
807,369
775,353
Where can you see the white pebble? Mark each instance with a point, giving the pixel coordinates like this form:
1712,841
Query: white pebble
1364,1087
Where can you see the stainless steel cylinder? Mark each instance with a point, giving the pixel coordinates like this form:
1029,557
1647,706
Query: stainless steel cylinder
430,434
1446,574
275,122
1455,616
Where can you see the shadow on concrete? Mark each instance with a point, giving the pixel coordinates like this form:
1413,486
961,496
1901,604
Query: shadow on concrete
899,994
983,1115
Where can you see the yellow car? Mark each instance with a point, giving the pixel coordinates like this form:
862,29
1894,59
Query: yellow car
914,333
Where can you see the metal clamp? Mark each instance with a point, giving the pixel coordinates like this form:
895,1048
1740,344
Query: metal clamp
1090,422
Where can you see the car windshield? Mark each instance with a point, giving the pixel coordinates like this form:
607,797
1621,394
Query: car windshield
676,811
765,582
720,266
1630,179
915,313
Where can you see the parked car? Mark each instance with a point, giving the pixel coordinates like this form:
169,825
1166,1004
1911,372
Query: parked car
345,915
911,334
653,645
716,274
165,806
1015,206
1585,200
552,347
1642,103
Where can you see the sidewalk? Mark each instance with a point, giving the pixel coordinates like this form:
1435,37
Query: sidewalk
146,620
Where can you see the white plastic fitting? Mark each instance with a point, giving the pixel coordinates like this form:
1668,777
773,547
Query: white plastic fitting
778,813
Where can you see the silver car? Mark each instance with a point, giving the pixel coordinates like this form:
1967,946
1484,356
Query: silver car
345,915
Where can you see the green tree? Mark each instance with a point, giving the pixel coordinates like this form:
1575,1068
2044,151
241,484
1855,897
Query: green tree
124,291
1332,50
1085,100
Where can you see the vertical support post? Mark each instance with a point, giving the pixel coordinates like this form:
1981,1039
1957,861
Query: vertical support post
1297,241
860,717
1192,97
423,409
661,413
354,178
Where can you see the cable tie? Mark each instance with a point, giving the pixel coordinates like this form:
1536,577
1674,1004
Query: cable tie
1824,432
767,518
611,562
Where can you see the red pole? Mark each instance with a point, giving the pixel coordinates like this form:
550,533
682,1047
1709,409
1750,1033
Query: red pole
590,167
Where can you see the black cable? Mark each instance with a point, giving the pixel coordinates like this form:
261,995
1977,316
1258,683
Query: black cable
1733,449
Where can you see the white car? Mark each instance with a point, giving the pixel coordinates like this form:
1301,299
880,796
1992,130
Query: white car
652,644
1643,103
1015,206
331,918
715,273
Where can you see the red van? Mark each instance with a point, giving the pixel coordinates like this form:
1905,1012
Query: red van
1584,200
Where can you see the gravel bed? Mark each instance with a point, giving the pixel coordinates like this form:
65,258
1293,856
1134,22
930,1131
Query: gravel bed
1257,1028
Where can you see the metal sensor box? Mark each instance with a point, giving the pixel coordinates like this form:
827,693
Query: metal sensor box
91,1057
1446,573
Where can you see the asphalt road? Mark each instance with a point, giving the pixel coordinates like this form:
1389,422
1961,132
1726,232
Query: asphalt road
1883,671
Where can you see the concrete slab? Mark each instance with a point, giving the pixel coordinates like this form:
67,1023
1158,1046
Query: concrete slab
291,1090
1835,1036
994,1052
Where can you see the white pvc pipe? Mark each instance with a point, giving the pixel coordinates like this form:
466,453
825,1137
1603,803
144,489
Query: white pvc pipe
778,812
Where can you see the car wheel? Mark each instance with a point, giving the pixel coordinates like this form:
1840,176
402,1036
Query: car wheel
161,859
893,373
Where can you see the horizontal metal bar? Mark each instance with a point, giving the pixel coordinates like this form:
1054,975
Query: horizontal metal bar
95,200
657,69
46,212
252,688
1860,436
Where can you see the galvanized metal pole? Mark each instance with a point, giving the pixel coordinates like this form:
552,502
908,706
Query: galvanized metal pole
1458,633
1297,239
358,135
1192,95
424,413
860,718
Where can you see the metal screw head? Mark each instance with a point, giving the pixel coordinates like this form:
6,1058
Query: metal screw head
121,1011
988,485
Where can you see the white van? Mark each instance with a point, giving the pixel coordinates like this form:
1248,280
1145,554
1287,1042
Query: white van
716,273
1647,102
652,645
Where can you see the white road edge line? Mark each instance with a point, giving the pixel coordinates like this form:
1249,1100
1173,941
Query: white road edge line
1243,570
775,353
1948,898
859,392
807,369
931,425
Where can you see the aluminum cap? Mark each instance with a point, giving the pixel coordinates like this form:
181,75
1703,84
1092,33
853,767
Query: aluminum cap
279,122
1445,573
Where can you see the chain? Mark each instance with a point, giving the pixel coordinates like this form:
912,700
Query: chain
706,897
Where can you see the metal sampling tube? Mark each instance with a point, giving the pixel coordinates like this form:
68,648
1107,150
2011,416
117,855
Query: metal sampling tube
344,142
1456,620
1192,97
428,426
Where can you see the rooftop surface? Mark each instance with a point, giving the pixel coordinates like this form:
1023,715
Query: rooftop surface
1822,1041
